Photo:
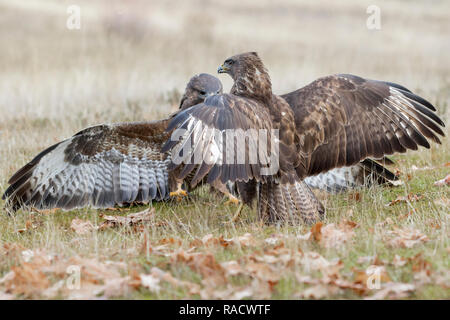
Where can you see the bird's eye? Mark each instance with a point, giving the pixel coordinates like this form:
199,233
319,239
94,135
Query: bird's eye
229,62
202,93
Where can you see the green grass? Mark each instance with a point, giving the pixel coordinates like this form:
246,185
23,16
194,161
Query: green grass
204,213
131,63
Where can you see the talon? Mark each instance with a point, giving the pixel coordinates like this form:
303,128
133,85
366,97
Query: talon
179,194
232,200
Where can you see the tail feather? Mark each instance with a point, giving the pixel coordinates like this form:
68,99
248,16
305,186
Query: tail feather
364,174
289,202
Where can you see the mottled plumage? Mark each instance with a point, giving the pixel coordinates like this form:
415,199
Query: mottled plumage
104,165
335,121
363,174
348,118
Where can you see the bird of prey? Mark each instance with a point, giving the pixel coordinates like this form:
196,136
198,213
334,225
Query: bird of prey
364,174
102,179
335,121
105,165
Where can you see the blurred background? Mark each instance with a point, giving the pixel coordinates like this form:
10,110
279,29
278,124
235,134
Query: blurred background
131,60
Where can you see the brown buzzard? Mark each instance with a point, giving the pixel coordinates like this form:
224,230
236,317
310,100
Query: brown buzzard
105,165
333,122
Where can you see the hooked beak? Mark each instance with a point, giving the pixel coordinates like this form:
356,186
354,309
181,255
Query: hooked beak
223,69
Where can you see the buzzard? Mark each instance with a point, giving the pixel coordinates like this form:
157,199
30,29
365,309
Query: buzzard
109,165
364,174
335,121
105,165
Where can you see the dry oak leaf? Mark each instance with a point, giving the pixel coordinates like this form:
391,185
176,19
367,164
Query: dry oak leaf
82,227
169,278
6,296
128,220
232,268
26,280
30,224
409,198
319,291
210,240
204,263
393,290
332,236
229,293
262,271
399,261
150,282
245,240
362,276
406,238
314,261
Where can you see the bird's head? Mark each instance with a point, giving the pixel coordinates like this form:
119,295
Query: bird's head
199,88
241,64
250,76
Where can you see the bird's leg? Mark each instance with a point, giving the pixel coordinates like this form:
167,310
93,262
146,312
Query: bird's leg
231,199
237,213
179,193
221,187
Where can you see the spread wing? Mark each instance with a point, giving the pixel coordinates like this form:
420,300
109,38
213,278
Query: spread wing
100,166
363,174
342,119
219,138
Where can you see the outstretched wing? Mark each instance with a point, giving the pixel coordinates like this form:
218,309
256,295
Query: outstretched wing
219,138
343,119
363,174
100,166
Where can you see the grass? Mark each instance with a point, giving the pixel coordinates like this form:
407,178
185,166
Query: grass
132,63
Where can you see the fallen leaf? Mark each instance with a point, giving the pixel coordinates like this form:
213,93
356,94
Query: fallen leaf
393,290
82,226
408,198
354,196
332,236
26,280
305,237
319,291
245,240
205,264
193,288
262,271
372,272
150,282
316,231
385,222
128,220
232,268
406,238
399,261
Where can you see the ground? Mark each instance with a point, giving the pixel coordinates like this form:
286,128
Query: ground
131,62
